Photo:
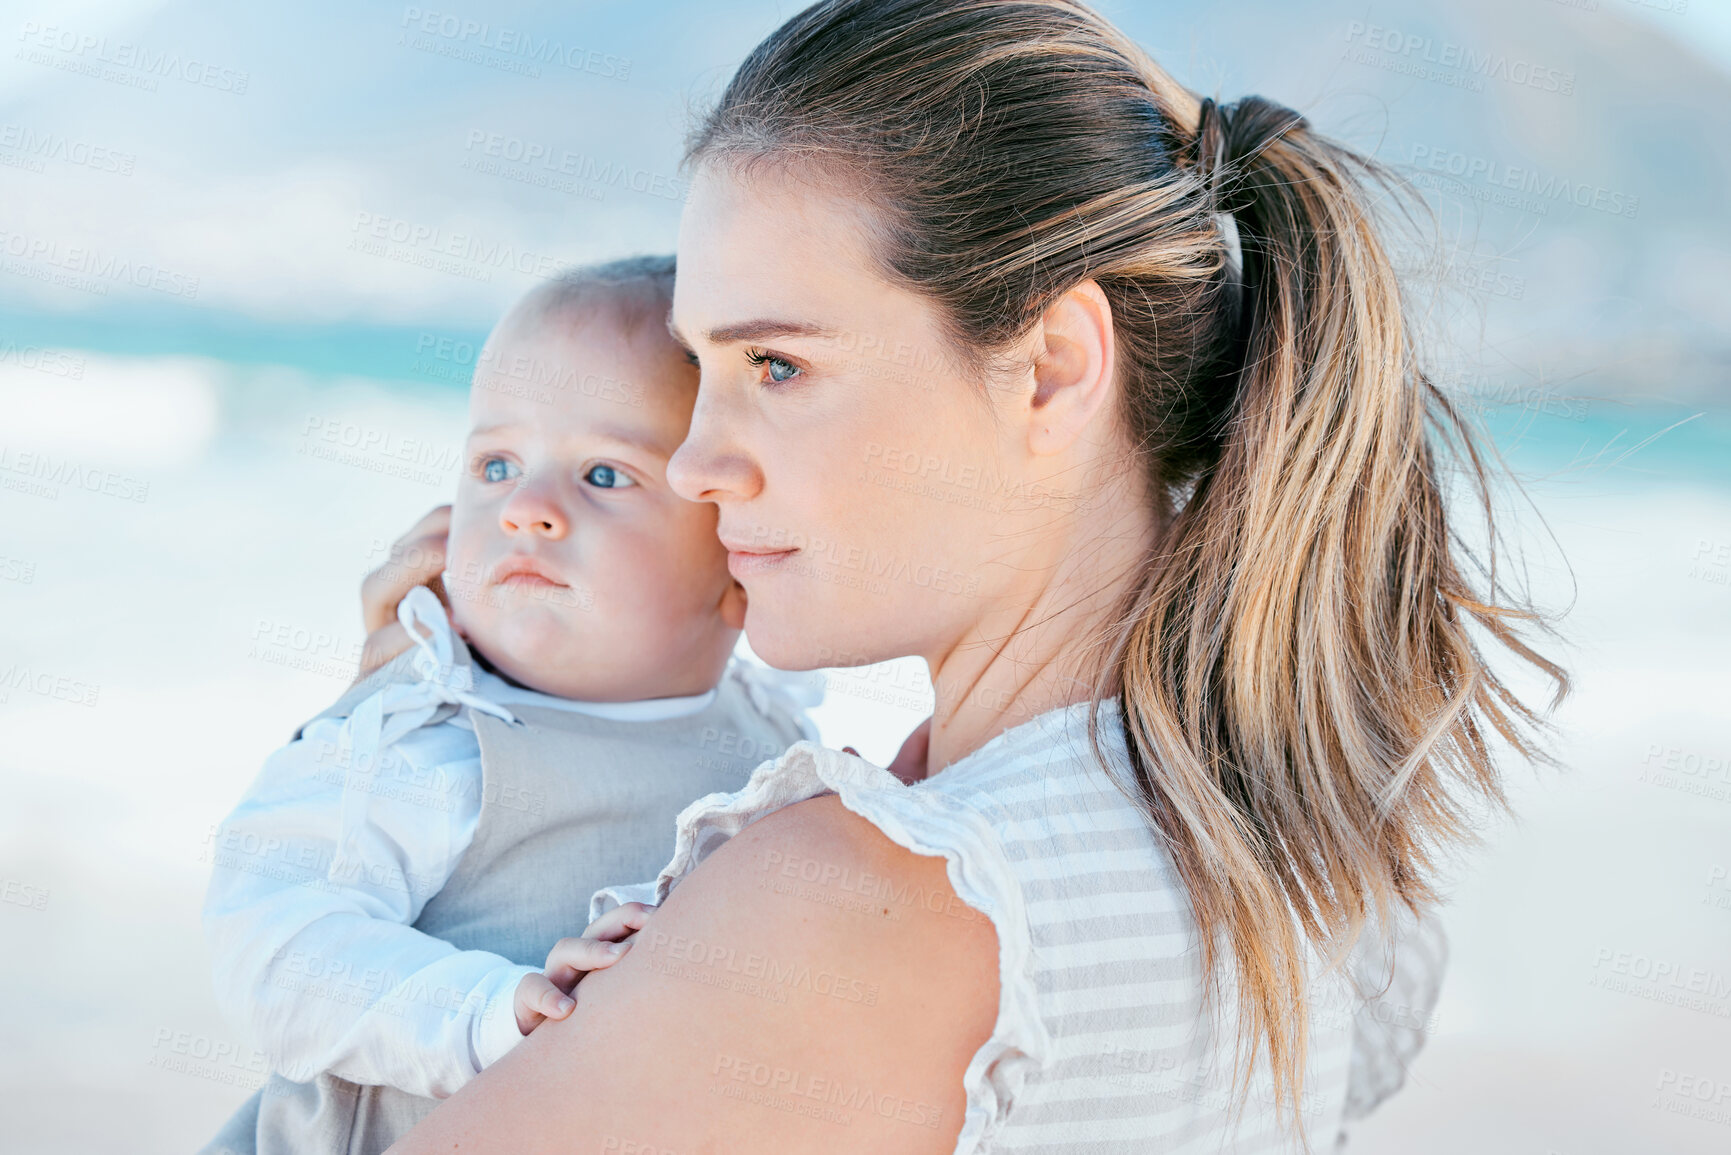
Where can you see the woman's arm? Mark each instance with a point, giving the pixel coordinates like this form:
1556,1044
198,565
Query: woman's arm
811,986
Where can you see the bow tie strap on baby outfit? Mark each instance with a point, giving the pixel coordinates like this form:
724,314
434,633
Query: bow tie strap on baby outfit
395,710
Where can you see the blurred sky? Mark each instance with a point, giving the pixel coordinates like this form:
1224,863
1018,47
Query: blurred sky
201,277
355,116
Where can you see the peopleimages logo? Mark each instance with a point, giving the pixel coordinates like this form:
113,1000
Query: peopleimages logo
97,268
41,359
83,51
1662,980
557,161
468,255
1470,62
461,34
43,473
39,146
1527,181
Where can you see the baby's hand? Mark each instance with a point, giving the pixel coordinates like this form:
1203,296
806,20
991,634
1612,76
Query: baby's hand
417,559
548,995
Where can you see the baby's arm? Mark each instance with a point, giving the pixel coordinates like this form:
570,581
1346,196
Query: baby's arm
322,963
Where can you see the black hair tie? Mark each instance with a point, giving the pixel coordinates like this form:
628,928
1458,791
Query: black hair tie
1230,137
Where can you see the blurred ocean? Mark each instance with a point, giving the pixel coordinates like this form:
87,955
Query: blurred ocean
219,402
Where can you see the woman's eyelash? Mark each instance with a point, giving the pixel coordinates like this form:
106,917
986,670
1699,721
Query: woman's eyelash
761,357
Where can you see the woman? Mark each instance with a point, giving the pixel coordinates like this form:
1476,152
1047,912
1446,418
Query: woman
1019,358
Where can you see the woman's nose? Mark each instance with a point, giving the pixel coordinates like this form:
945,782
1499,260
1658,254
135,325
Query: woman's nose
710,464
532,511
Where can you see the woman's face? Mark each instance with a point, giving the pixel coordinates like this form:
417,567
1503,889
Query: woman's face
869,497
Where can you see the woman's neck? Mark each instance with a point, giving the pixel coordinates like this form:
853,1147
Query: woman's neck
1057,622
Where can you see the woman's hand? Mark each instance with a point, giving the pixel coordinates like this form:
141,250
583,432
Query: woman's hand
417,559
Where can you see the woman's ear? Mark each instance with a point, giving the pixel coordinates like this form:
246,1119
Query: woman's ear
1073,366
733,605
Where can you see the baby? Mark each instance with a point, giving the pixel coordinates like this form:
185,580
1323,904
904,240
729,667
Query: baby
386,888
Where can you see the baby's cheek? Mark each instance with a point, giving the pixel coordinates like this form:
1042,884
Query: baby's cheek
466,553
530,649
463,615
468,597
662,593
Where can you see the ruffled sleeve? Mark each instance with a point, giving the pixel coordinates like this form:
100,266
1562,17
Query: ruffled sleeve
926,820
1400,988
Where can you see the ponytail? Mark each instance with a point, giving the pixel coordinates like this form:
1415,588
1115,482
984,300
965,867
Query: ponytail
1307,708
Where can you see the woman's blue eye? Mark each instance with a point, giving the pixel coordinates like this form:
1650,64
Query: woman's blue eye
780,369
606,477
496,469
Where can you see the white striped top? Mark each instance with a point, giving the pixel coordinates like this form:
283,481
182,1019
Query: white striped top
1100,1045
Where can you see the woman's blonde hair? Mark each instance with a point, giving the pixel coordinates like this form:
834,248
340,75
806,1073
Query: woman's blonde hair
1307,709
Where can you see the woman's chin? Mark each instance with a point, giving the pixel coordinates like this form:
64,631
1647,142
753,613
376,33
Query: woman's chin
775,643
791,645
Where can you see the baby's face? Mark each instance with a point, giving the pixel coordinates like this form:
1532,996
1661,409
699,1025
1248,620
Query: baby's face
572,566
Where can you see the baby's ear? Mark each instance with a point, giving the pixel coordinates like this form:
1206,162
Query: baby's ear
733,605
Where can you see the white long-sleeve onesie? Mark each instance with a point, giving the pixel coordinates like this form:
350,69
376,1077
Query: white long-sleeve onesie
314,890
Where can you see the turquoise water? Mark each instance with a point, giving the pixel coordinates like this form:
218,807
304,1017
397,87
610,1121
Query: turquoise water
1580,435
1639,443
405,353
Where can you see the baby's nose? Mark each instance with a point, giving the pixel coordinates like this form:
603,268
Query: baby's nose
533,513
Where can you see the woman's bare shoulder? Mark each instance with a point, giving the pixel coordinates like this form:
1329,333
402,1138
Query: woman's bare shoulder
811,985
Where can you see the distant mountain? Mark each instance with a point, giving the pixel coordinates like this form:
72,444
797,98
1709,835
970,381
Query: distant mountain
1579,158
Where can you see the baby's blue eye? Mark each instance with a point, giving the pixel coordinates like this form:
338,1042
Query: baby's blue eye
496,469
606,477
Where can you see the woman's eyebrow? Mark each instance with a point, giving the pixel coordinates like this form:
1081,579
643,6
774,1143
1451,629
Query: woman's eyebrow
763,329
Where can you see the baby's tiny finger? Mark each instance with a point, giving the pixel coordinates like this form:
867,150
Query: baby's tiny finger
620,922
532,996
572,958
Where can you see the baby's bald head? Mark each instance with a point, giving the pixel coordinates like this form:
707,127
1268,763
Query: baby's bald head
632,295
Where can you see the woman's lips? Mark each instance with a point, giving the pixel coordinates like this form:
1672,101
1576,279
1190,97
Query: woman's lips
741,563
